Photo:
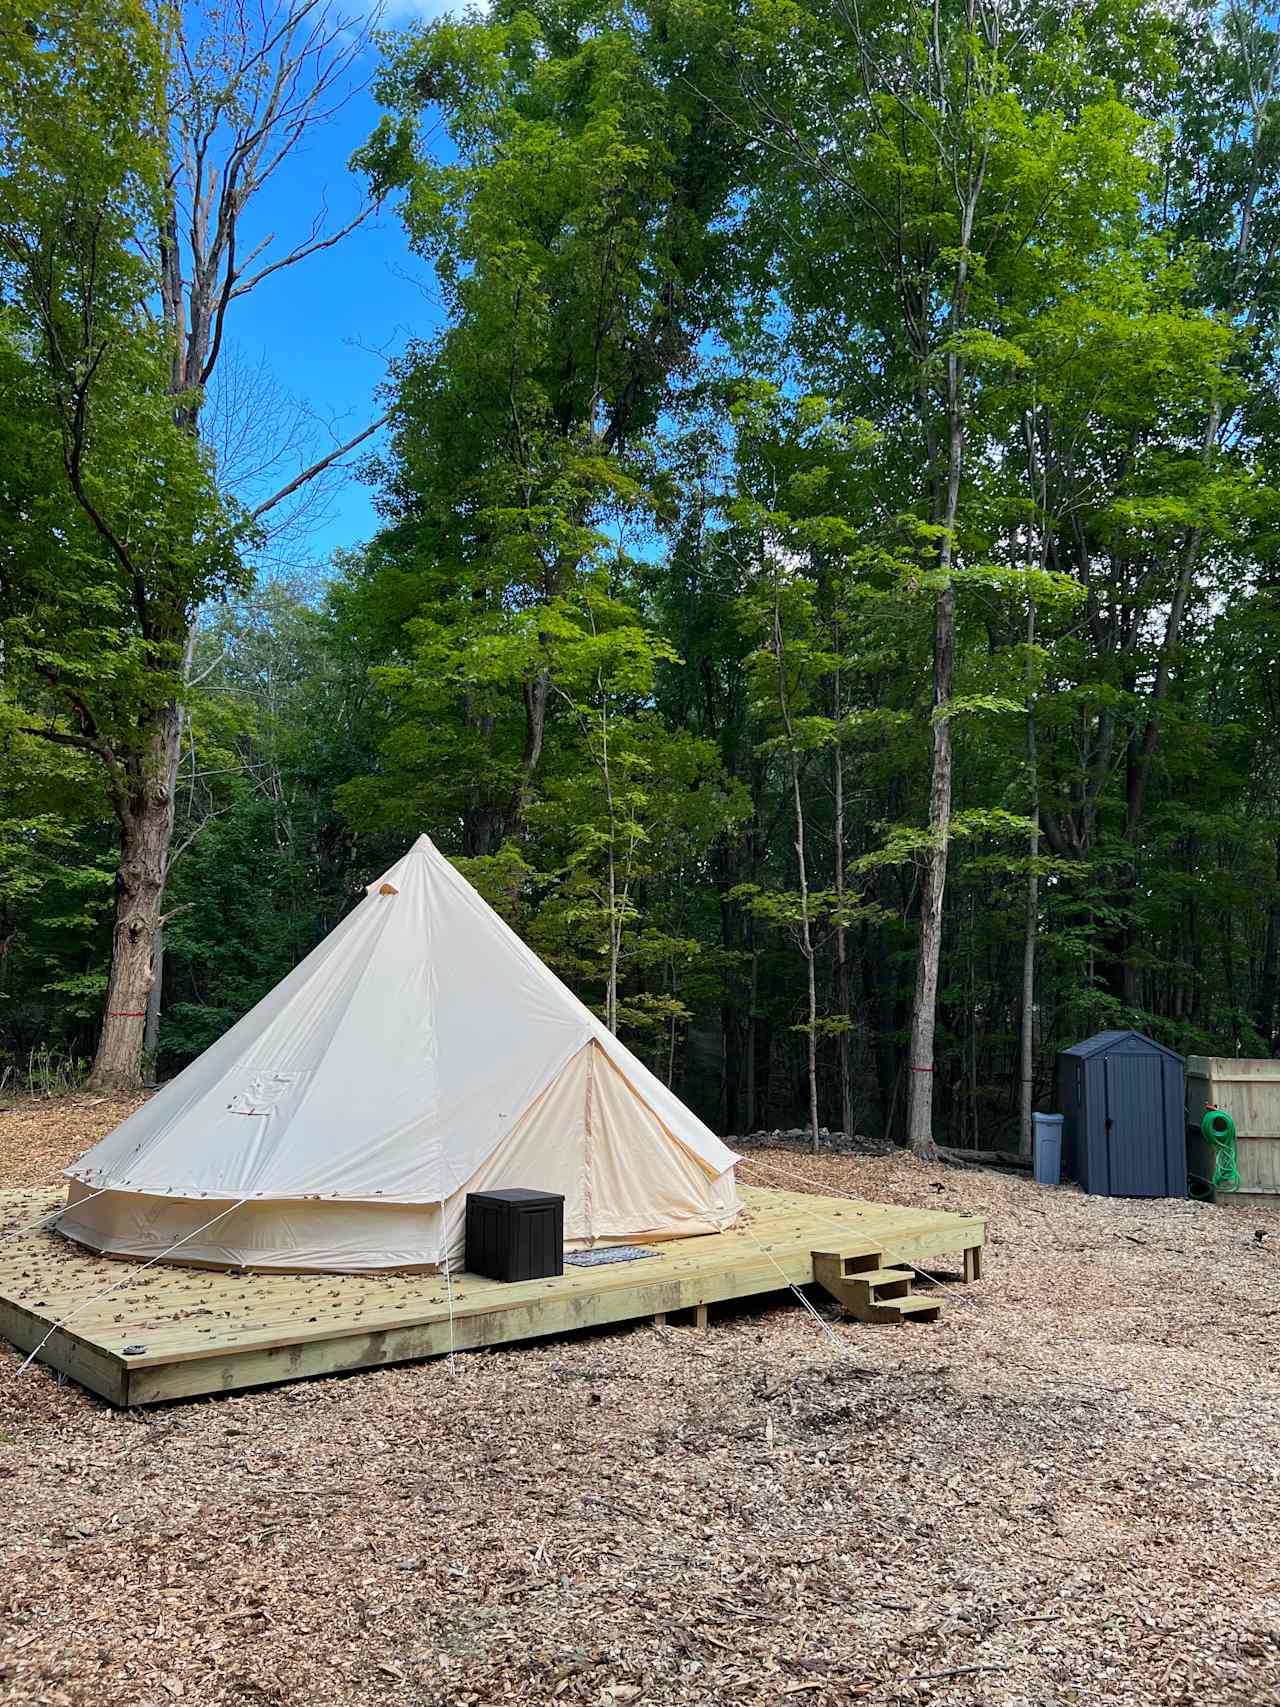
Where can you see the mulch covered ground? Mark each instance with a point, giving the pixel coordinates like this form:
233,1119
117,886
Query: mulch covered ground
1068,1491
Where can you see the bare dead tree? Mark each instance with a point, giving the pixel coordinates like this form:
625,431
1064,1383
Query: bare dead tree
250,82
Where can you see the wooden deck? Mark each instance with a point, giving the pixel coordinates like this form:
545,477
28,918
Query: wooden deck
171,1333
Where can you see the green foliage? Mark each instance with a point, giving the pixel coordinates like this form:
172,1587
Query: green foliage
574,237
113,534
665,525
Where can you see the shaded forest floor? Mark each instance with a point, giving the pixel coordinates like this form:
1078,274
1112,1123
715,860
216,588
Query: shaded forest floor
1067,1491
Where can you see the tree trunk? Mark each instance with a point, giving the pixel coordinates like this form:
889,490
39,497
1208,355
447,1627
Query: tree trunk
146,829
155,994
812,1040
878,983
480,829
730,1067
843,996
726,875
1026,1075
806,929
972,1006
749,1039
536,695
615,916
924,1010
151,1025
1120,972
615,942
671,1030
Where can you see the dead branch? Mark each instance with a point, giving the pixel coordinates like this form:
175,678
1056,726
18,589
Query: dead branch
319,467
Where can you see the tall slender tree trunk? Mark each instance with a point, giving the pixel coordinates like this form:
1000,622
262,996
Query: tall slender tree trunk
812,1029
615,934
726,859
843,996
1027,1038
924,1010
972,1006
615,912
671,1028
877,984
749,1040
806,925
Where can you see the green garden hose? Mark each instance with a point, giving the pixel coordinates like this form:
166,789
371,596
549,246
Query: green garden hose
1220,1131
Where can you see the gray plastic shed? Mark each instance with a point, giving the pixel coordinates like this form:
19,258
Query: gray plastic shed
1123,1098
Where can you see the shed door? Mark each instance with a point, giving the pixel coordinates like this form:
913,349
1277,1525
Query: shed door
1135,1124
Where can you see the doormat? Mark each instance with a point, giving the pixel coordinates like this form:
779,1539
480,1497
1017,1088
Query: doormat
607,1253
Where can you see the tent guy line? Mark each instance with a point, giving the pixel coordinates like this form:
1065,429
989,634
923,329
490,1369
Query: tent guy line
774,1168
791,1286
52,1216
830,1191
118,1286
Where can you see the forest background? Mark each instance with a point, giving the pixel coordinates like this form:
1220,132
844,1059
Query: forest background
825,587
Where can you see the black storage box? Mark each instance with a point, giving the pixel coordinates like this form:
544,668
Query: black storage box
515,1234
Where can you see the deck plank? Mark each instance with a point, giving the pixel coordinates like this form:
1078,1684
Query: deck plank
208,1330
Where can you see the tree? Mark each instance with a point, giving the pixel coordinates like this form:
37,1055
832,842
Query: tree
933,156
575,240
775,517
136,145
124,533
621,820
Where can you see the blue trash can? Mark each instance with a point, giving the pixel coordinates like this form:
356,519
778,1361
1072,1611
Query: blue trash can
1048,1148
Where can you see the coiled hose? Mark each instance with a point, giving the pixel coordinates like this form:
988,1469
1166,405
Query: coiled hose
1220,1131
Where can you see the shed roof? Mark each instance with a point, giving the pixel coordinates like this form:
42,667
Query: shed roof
1104,1041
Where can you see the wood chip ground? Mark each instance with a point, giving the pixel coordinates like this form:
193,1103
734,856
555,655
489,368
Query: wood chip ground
1068,1491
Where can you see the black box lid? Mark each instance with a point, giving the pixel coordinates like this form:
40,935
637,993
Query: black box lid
516,1194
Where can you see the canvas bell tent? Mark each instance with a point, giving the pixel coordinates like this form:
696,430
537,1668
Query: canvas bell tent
422,1051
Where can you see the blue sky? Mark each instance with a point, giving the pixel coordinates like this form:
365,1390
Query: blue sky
325,328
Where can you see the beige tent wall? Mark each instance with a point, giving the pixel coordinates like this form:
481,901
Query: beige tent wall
623,1174
643,1179
589,1136
338,1236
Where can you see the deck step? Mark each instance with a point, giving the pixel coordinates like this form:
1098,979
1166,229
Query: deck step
896,1309
871,1290
923,1309
879,1278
